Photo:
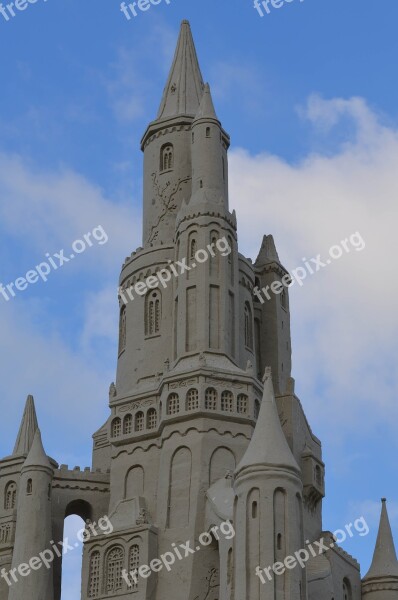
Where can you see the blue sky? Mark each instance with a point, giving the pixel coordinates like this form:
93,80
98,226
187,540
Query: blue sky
309,96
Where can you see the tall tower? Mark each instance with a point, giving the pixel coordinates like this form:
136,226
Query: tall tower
381,581
186,397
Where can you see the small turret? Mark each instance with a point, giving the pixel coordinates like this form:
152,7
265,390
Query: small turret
33,535
268,512
209,152
271,303
381,581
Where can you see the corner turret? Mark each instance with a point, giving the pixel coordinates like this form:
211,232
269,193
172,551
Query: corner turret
33,536
381,581
268,511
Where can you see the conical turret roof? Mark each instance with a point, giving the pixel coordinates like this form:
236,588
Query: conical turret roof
206,108
27,428
385,563
267,252
184,87
268,446
37,456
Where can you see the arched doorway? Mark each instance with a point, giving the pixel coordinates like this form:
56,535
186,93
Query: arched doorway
69,566
72,560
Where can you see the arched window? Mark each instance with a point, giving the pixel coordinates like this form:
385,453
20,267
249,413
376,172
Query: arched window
192,247
122,329
114,567
214,260
248,327
10,496
227,401
167,157
128,424
116,427
243,402
192,402
49,491
152,418
208,132
139,421
347,590
211,399
173,404
134,563
153,312
94,575
29,487
5,533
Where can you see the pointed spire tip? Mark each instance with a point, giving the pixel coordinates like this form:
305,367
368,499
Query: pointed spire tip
27,429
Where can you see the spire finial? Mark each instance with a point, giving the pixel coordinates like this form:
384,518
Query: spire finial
184,87
27,428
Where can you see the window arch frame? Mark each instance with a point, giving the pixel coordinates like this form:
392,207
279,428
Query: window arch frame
134,563
242,405
116,427
211,398
128,424
94,577
192,399
117,572
173,397
10,495
227,396
139,421
151,422
167,157
347,589
153,313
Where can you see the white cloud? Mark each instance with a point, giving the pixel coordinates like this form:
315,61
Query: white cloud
345,341
47,211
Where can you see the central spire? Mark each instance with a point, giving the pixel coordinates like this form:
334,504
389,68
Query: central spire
184,87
